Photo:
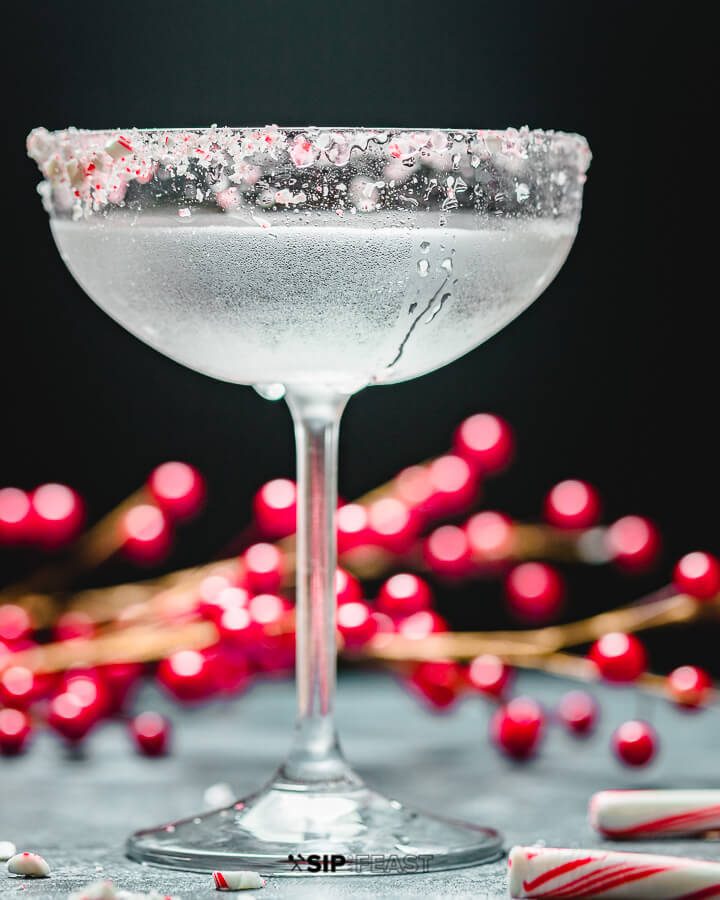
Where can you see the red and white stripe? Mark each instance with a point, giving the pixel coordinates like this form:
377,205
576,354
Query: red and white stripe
562,873
237,881
629,814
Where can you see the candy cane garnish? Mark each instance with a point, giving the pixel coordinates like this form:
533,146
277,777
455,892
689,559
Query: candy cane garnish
626,814
550,872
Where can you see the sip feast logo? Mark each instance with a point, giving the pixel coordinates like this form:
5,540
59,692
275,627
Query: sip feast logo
316,862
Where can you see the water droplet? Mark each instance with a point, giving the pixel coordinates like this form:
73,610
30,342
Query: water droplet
425,246
447,264
522,192
456,160
423,267
272,391
474,161
436,307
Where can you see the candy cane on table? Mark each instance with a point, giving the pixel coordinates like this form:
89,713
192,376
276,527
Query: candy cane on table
567,873
626,814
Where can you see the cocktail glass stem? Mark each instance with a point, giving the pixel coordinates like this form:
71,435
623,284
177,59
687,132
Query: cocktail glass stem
315,755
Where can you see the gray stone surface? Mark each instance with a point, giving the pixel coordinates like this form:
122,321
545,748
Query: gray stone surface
76,813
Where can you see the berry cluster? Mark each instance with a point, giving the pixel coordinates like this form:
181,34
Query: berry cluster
424,519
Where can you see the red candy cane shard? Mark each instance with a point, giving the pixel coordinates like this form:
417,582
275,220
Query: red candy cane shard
627,814
566,873
237,881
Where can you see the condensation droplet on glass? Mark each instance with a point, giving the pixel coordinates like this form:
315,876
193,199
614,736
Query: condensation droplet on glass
437,307
522,192
271,391
456,160
447,264
474,161
425,246
423,267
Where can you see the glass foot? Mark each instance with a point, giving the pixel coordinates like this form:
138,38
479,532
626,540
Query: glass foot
291,829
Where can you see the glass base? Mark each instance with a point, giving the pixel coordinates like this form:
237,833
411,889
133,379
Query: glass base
333,829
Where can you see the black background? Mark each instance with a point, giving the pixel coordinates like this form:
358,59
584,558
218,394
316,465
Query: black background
611,376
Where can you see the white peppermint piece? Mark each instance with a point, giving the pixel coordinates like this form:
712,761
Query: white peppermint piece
7,849
97,890
237,881
106,890
218,795
28,864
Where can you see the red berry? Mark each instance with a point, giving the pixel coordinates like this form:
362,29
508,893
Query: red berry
187,675
268,609
15,731
237,627
227,598
572,504
120,679
15,623
635,743
88,686
490,535
347,588
619,657
58,514
578,712
353,526
392,524
356,624
404,594
485,441
17,687
698,574
421,624
15,516
689,686
145,534
177,488
151,733
274,649
438,682
70,717
264,565
414,487
517,727
534,591
489,675
453,484
275,507
231,668
633,543
447,551
74,625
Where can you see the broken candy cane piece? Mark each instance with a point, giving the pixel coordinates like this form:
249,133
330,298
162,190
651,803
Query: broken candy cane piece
551,872
624,814
118,147
28,864
237,881
7,849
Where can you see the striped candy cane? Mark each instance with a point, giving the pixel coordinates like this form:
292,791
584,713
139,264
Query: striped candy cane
562,873
628,814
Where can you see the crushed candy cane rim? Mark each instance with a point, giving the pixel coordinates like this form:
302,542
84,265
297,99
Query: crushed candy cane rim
89,170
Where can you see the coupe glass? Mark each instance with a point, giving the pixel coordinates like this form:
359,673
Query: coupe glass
312,262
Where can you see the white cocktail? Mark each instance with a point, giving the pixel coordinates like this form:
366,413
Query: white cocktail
318,261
